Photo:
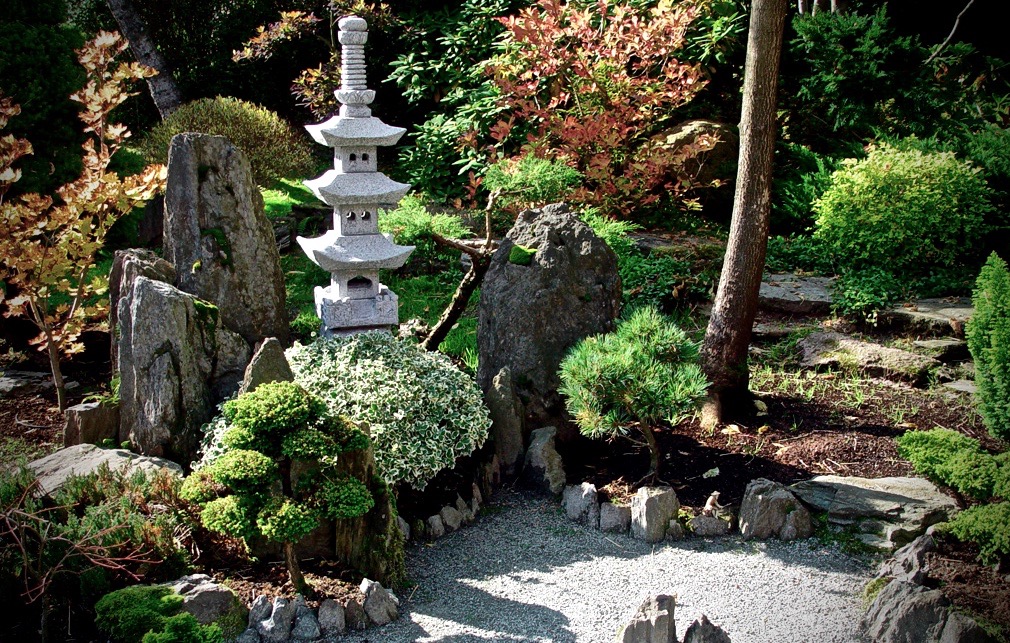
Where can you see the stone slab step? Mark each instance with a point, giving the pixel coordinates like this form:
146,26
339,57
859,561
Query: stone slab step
790,293
835,350
929,317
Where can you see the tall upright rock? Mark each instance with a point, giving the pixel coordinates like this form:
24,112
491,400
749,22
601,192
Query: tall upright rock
551,283
218,237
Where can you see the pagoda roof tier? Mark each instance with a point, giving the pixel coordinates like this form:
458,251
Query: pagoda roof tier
335,188
334,253
347,131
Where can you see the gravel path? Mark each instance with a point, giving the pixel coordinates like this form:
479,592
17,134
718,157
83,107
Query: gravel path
523,572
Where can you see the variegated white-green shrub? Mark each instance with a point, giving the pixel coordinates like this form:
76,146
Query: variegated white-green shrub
422,412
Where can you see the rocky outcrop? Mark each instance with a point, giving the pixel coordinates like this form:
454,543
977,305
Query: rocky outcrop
704,631
176,362
90,423
652,509
54,469
219,239
126,267
834,350
209,602
543,469
268,364
652,622
929,317
794,294
888,512
770,510
507,420
904,612
533,310
909,563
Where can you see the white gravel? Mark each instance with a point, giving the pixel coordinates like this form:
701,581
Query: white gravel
524,572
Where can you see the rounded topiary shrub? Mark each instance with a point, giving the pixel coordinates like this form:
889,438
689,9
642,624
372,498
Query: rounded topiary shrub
912,211
422,411
274,148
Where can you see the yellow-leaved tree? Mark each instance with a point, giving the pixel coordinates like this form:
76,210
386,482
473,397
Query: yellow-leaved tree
47,245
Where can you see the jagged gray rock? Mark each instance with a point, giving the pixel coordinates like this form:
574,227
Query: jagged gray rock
834,350
451,518
507,419
581,505
306,626
436,529
331,617
208,601
219,239
260,610
531,314
909,563
268,364
354,615
614,518
543,468
80,460
675,531
652,509
652,622
704,631
907,613
404,528
276,628
890,512
127,265
464,509
90,423
176,362
946,349
250,635
380,605
770,510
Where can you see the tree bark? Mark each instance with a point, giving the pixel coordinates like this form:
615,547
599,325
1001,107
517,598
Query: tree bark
164,92
724,351
295,570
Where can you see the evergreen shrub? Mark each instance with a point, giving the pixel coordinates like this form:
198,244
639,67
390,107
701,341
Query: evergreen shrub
412,225
422,412
150,614
643,372
918,213
275,149
988,335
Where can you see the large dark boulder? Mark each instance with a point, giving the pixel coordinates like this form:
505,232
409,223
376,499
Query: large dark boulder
219,239
533,308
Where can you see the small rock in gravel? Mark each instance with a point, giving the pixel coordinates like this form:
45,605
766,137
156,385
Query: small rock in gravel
652,509
581,505
331,617
435,527
464,510
703,631
614,518
543,468
675,531
652,622
708,526
354,615
767,511
380,605
451,518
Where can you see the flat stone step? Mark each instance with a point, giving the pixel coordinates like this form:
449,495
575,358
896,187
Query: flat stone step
835,350
962,386
929,317
774,330
947,350
790,293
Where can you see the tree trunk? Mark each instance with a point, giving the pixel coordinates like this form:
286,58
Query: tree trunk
473,278
724,352
164,91
295,570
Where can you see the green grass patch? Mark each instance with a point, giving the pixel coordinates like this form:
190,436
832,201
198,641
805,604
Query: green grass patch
283,194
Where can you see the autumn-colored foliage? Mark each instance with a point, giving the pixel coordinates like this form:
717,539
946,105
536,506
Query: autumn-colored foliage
594,84
314,87
48,245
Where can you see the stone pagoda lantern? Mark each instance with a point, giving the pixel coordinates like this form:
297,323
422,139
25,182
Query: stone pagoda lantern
354,251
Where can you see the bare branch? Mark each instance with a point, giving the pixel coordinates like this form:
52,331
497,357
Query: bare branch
943,44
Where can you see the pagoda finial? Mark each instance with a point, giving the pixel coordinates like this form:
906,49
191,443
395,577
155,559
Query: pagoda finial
354,95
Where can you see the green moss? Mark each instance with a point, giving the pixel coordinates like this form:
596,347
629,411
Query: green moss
521,255
127,614
222,243
873,588
197,266
208,314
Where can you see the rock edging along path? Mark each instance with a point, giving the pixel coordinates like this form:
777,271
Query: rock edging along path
524,572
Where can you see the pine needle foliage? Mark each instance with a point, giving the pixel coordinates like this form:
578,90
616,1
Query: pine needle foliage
988,335
644,372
